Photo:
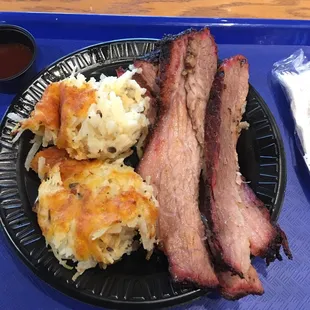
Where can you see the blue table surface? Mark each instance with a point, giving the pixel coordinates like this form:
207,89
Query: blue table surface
287,283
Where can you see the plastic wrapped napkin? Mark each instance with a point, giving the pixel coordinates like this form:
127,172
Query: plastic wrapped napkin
293,74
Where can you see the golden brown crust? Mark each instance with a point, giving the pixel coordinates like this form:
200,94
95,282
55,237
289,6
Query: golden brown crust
46,112
89,200
52,156
74,104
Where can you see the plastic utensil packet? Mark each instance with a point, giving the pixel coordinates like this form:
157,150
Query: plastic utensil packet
293,74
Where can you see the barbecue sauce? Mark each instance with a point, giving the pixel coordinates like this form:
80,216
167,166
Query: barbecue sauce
14,57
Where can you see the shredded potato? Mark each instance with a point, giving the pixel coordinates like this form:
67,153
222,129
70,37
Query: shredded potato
91,211
90,119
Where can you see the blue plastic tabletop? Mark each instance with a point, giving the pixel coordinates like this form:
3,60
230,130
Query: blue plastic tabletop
263,42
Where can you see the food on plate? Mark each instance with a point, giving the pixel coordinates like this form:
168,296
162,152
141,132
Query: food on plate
44,120
91,205
232,286
223,124
91,119
172,158
229,241
91,211
147,79
266,238
238,224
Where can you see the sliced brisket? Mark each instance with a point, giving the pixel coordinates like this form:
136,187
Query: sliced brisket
234,287
147,79
230,239
200,75
266,238
240,224
172,158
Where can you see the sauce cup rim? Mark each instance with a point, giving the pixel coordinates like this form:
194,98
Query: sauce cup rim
26,33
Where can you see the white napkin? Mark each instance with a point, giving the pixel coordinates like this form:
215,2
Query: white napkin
293,73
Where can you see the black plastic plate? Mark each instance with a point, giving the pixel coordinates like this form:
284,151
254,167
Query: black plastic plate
133,282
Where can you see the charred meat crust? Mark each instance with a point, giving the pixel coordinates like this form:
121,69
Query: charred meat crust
212,127
152,57
273,251
232,287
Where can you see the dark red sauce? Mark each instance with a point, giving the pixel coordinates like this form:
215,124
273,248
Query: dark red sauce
14,57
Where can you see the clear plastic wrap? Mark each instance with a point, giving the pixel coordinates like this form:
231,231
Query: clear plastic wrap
293,74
